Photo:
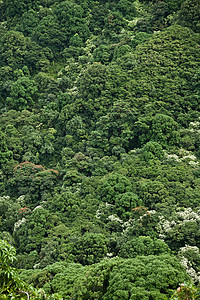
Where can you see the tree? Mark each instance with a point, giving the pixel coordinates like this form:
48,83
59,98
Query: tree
156,61
159,128
29,21
33,181
11,9
143,245
48,33
182,229
13,49
9,276
114,131
71,18
12,287
144,277
90,248
186,290
91,85
153,192
189,15
152,150
9,212
114,23
5,154
23,94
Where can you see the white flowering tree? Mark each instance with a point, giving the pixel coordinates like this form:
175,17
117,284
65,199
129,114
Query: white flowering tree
181,228
189,257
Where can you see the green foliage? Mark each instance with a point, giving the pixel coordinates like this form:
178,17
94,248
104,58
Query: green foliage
29,21
117,191
31,233
152,150
90,248
157,78
127,8
174,5
9,212
106,281
143,245
8,274
48,34
159,128
15,8
112,278
114,185
99,147
189,15
183,231
91,85
5,154
71,19
13,48
22,94
32,180
12,287
184,291
114,130
114,23
157,278
18,51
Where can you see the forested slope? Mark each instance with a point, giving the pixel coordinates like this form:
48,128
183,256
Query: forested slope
99,149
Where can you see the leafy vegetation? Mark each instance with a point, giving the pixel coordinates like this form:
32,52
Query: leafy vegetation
99,149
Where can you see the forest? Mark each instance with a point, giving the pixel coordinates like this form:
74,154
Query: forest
100,149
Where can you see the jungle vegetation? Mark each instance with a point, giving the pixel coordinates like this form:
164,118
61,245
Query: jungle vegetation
100,149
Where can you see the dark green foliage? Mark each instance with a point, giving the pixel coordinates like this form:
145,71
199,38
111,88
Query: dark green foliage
5,154
103,54
135,279
117,190
98,16
142,246
127,8
13,48
18,51
174,5
29,21
145,277
152,150
92,86
114,23
30,233
90,248
159,128
22,94
122,279
9,212
185,230
114,131
32,180
99,147
189,15
114,185
48,34
9,276
12,286
157,77
10,9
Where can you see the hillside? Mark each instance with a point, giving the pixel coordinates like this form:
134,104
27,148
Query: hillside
99,149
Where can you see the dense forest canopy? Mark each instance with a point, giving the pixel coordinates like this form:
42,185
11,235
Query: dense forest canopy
99,149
